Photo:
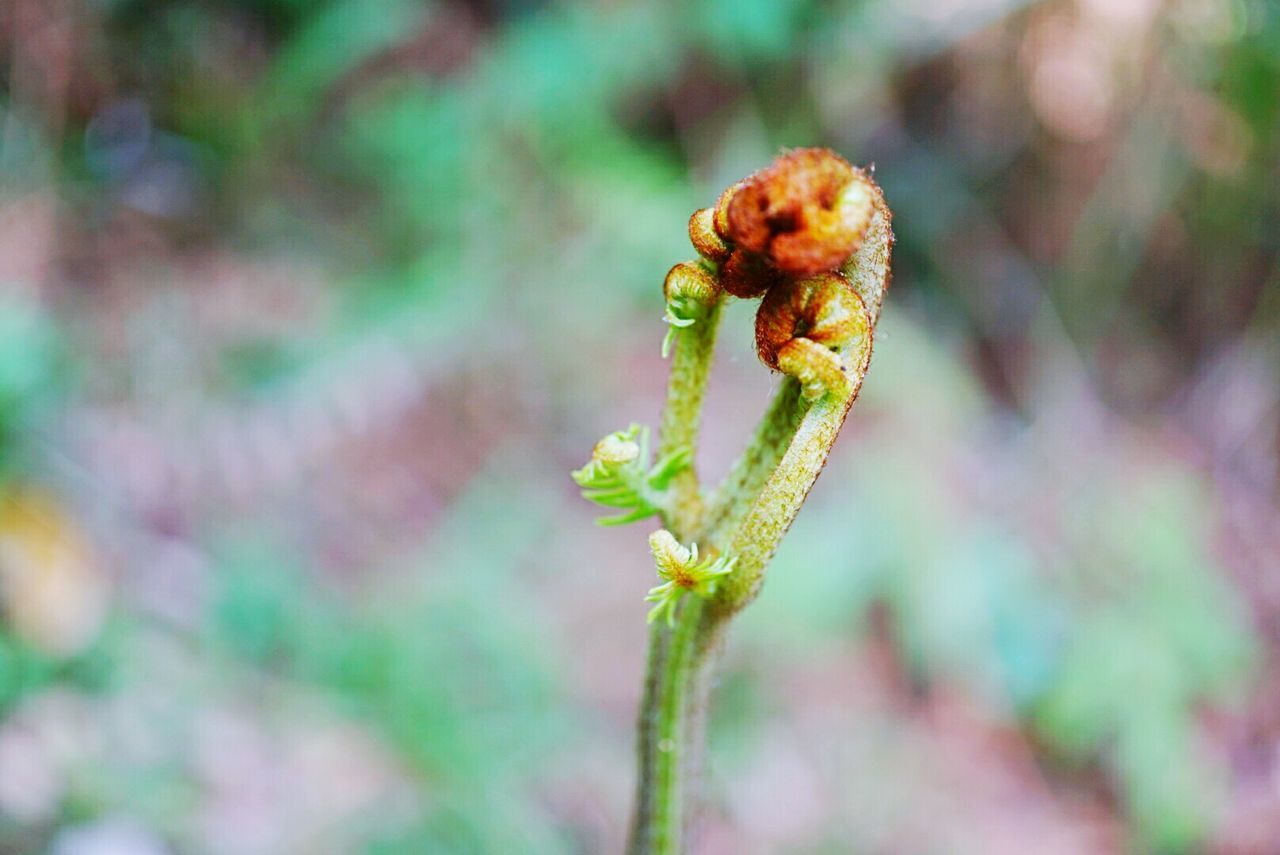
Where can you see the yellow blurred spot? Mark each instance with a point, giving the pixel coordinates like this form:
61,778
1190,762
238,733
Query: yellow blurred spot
54,591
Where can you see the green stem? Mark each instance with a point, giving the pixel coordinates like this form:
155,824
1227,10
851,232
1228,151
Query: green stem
668,734
671,679
757,537
682,415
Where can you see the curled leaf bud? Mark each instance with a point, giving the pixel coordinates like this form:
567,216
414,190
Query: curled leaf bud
681,573
689,289
720,216
703,236
690,285
806,213
616,449
673,560
813,329
613,454
619,475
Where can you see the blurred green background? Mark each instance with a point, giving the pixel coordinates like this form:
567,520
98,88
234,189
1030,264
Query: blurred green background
308,308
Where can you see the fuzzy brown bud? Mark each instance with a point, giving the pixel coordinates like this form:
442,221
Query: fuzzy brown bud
806,213
804,327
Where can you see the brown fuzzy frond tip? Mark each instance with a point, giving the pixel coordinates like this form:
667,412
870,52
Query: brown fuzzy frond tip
806,212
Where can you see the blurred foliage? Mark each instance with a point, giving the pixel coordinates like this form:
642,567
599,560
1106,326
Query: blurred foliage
461,687
29,380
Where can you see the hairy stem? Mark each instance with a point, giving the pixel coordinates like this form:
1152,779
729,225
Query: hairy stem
756,538
665,725
668,734
682,415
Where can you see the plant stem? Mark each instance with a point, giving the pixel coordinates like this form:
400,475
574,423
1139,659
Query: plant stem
682,415
667,734
657,826
756,538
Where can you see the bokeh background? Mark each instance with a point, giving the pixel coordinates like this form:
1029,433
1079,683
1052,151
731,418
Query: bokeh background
308,308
